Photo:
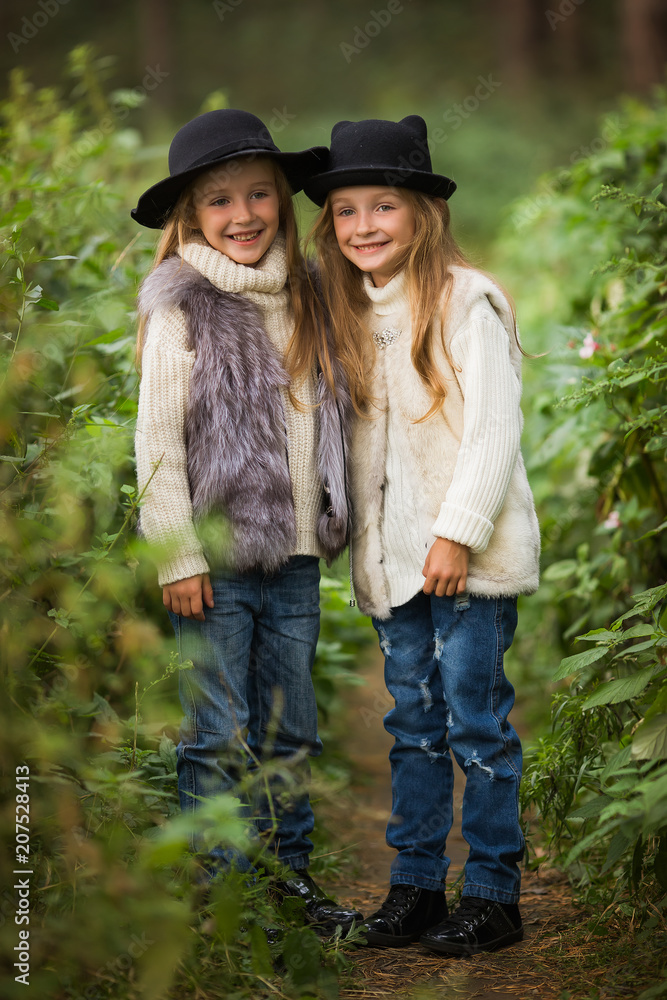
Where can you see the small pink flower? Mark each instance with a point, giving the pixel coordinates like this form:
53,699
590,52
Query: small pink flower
590,346
613,520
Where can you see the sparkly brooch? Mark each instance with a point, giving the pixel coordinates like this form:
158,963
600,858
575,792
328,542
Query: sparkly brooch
383,338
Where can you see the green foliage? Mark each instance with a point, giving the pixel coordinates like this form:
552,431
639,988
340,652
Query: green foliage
91,709
594,250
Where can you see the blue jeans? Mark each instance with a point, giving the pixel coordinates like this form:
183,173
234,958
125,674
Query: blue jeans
444,669
251,681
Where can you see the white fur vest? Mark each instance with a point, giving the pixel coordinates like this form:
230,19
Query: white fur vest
486,505
235,429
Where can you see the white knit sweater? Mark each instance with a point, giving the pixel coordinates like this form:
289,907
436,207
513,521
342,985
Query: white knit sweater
166,516
403,555
458,475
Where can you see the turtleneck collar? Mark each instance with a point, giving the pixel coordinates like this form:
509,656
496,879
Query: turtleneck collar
268,277
390,298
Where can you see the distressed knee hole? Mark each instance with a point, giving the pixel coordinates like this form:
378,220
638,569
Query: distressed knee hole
427,697
385,644
475,759
432,754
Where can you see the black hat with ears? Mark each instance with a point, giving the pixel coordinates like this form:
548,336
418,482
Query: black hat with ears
389,154
210,139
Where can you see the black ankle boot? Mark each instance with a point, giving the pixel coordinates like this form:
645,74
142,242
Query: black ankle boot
475,925
405,914
321,911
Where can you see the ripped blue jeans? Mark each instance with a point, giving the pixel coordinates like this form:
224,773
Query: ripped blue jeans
254,651
444,669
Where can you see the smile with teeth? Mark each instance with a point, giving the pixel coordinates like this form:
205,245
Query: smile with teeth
364,247
245,237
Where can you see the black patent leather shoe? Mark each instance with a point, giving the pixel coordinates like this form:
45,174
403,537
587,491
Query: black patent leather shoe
405,914
323,912
475,925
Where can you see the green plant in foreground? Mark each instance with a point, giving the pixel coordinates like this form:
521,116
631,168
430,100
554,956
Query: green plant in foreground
595,787
86,650
610,738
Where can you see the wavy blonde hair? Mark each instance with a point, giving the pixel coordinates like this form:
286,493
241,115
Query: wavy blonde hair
308,344
427,260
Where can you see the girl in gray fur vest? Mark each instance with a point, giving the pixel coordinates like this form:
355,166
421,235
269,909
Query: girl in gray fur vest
240,443
445,534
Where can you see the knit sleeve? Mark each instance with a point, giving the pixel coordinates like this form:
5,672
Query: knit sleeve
491,432
166,507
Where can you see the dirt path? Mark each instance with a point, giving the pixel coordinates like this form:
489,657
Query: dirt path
546,907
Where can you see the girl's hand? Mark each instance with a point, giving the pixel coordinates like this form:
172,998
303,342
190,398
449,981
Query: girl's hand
187,597
446,568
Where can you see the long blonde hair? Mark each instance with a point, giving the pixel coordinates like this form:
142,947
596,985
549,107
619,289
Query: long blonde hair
427,260
308,344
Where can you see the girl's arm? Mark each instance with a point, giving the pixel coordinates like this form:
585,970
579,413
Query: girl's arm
488,451
166,512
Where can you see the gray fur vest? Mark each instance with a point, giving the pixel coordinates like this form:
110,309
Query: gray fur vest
235,428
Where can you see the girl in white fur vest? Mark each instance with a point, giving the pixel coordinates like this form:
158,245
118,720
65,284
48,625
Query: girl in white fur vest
240,457
445,534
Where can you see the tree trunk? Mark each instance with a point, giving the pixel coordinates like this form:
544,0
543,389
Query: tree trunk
516,20
644,31
155,25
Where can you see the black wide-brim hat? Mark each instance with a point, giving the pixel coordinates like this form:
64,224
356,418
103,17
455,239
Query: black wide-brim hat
211,139
389,154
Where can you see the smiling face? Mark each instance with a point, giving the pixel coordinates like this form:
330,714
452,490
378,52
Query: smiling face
373,225
237,208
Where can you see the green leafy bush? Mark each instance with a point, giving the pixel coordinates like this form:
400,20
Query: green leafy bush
90,716
594,250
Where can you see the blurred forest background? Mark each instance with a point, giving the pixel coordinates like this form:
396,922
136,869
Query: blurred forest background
551,115
550,69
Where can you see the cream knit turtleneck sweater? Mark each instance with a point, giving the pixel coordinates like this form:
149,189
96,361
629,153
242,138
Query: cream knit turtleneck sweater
403,554
166,517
